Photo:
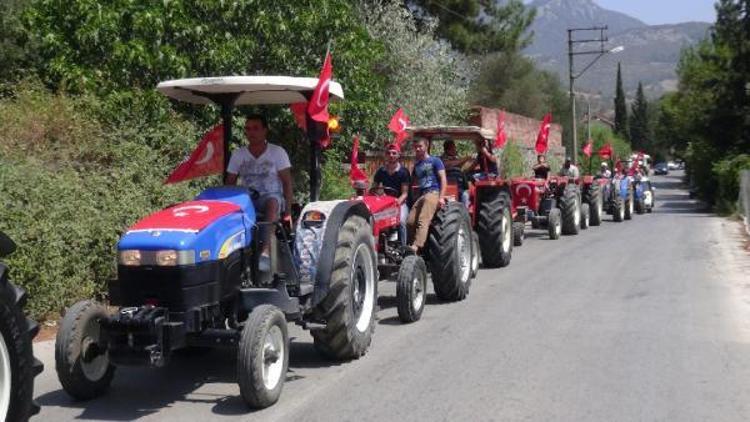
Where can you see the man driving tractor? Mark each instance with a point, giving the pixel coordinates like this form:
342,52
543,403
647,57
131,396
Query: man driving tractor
429,176
394,179
264,168
541,168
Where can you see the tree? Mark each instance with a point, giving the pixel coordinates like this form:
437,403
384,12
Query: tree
621,108
478,26
640,127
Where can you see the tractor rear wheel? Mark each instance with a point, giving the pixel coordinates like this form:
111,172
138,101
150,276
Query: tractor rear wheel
83,368
476,254
640,206
18,367
570,208
519,233
595,200
585,216
411,288
618,208
554,224
349,309
494,226
263,356
449,247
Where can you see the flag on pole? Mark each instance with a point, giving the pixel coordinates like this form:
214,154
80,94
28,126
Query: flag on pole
355,173
543,137
298,110
605,152
398,124
500,136
588,148
206,159
318,105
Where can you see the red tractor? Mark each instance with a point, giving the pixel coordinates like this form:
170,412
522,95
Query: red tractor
554,203
485,194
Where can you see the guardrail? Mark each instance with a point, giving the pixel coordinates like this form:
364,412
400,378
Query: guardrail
744,202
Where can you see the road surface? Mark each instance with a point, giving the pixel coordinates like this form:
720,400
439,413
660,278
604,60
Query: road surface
646,320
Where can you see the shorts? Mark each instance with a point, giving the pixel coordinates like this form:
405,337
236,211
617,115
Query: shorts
262,200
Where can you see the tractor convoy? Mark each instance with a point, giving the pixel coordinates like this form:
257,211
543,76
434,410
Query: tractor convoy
211,272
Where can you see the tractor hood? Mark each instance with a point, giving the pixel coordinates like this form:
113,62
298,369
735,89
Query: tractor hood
204,225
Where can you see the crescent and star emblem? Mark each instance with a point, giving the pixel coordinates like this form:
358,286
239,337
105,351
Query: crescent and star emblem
188,210
208,154
521,188
323,88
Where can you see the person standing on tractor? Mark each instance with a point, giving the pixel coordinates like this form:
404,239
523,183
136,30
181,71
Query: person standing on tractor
541,168
454,169
604,170
393,178
485,162
264,168
429,176
569,169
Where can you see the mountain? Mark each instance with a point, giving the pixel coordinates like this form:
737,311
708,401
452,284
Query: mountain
651,52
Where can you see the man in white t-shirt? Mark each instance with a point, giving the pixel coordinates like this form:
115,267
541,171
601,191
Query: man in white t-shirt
265,168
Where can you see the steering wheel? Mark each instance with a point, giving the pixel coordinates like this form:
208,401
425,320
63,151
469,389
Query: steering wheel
376,190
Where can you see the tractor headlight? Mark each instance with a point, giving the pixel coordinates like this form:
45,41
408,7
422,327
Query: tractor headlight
130,257
313,219
171,258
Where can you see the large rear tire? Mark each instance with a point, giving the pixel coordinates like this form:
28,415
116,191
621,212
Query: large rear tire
618,208
570,207
595,200
495,229
629,205
585,216
18,367
449,246
411,288
349,309
263,357
554,224
84,370
476,254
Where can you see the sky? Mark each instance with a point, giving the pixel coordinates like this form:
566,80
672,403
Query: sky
655,12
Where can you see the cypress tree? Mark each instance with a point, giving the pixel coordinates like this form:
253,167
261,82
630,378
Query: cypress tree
639,121
621,109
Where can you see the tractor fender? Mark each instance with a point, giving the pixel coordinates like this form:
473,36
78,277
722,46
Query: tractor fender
315,245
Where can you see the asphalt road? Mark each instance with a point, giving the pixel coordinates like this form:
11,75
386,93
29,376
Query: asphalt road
646,320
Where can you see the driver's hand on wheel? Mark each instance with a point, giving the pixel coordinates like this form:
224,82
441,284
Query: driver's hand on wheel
441,202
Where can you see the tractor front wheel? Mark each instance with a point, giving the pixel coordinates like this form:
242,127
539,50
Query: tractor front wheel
570,207
494,226
554,224
349,308
595,200
519,233
411,288
585,216
263,357
83,367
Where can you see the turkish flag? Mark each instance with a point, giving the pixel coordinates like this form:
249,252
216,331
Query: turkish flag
298,110
605,152
543,136
398,124
207,159
588,148
318,105
500,136
355,173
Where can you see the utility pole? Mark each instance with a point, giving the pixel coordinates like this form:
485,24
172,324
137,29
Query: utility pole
602,39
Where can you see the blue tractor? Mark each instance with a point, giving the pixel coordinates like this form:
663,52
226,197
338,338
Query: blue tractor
618,198
188,276
643,193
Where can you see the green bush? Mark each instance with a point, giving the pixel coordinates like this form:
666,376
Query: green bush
513,162
727,173
601,136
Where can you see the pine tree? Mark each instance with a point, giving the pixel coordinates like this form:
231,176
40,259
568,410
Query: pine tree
621,109
639,121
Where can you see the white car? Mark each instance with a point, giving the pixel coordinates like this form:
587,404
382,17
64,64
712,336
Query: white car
671,165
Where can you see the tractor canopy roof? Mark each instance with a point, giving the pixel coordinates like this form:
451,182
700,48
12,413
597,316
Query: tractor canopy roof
456,133
249,90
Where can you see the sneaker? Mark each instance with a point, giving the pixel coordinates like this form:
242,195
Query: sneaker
264,263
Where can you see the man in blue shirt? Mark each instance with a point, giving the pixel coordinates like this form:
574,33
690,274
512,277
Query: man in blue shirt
393,178
429,176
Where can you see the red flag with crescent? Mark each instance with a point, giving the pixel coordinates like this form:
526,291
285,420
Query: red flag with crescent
318,105
543,136
398,124
605,152
206,159
355,173
588,149
500,136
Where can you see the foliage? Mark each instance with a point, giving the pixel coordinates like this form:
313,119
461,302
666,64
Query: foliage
513,163
14,51
727,173
706,119
512,82
640,125
480,27
621,108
